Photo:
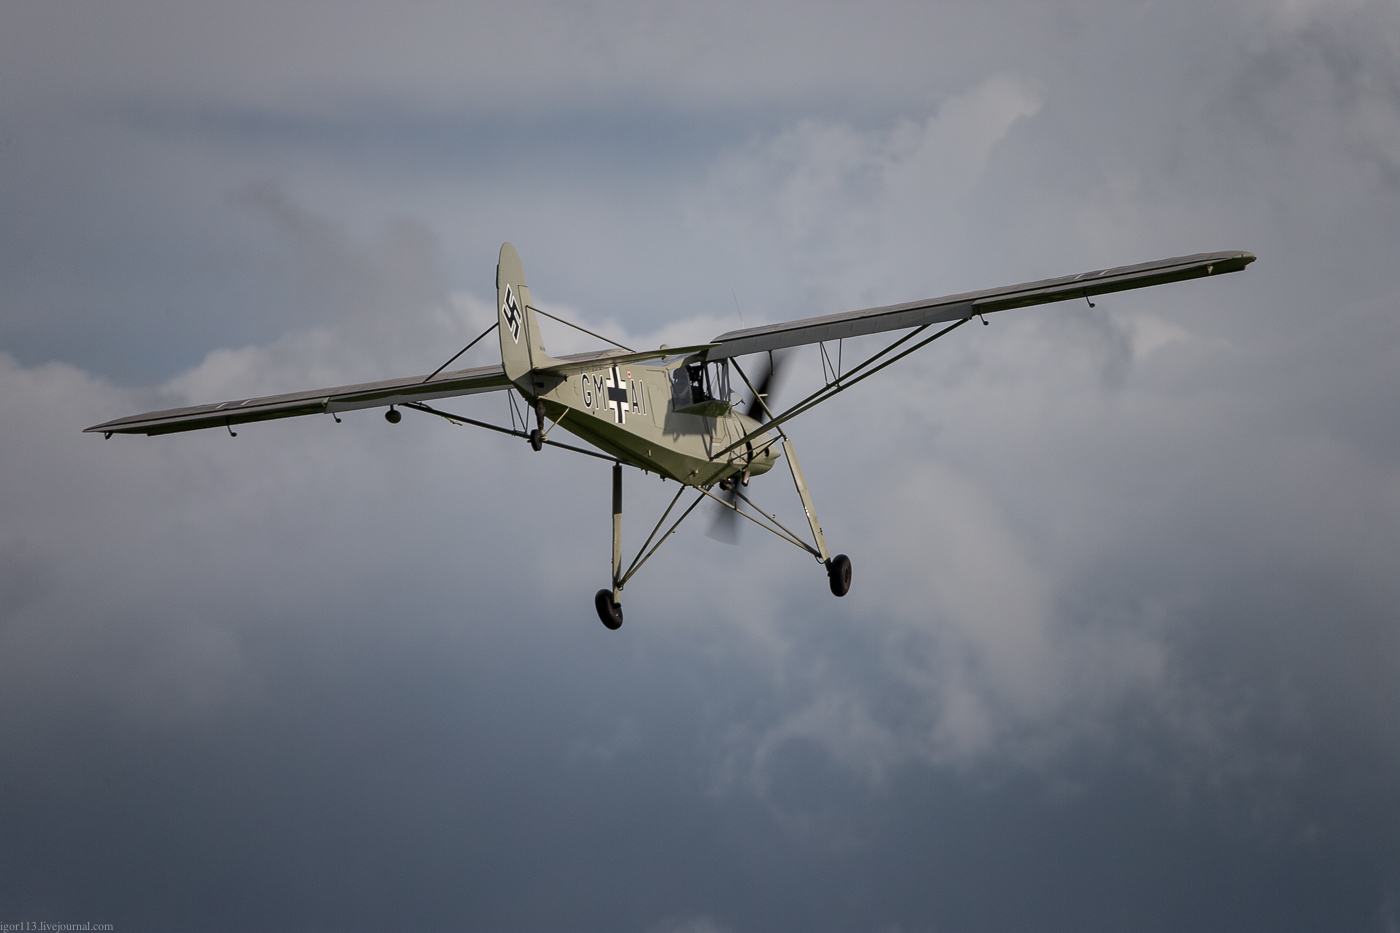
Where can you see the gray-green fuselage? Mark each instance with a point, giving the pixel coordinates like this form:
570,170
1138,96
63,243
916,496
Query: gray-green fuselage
629,411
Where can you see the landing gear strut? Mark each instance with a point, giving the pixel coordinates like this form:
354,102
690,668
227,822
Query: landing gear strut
838,567
609,609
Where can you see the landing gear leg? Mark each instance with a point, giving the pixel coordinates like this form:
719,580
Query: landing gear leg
806,501
609,610
838,568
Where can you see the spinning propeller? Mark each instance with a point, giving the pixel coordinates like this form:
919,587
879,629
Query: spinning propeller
725,526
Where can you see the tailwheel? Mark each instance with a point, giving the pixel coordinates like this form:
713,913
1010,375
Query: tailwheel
838,572
611,612
537,435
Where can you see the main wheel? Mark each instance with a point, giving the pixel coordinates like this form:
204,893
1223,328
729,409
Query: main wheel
838,571
536,439
609,611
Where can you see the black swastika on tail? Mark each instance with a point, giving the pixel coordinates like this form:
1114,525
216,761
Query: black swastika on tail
511,310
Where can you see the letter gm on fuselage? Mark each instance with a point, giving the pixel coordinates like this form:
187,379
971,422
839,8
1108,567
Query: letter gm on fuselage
611,390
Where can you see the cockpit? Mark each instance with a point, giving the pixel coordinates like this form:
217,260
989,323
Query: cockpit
701,388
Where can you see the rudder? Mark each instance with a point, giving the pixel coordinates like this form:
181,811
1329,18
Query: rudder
522,347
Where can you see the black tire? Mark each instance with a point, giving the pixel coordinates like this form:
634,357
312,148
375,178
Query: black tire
838,571
608,611
536,439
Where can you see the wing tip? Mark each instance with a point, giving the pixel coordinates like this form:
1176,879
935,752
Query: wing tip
107,427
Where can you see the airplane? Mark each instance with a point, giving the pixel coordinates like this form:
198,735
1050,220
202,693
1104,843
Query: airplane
672,411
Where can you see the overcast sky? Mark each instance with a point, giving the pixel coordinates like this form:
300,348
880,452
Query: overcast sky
1122,650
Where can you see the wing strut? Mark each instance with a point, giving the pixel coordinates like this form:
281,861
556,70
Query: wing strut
462,419
839,384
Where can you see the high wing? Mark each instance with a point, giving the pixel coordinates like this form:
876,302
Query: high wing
314,402
582,362
957,307
731,344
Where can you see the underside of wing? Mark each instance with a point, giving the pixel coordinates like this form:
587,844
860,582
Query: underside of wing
315,402
958,307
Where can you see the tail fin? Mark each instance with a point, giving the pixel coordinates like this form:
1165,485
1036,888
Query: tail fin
522,348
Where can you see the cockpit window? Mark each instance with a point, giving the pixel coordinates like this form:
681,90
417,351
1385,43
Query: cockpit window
696,372
699,383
